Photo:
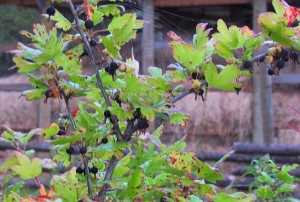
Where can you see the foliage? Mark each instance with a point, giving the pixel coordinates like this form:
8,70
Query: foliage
104,144
271,182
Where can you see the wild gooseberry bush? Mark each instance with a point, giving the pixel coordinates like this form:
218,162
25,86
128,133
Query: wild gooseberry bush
101,151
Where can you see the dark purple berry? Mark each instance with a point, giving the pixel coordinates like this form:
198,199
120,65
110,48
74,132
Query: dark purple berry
82,150
137,114
79,170
142,124
247,64
285,59
62,130
113,66
94,170
118,100
89,24
284,53
277,56
194,75
107,114
280,64
93,42
104,140
294,56
271,72
51,11
237,90
70,150
201,91
110,70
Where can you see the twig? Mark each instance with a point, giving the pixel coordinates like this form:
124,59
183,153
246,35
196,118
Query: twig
69,110
113,161
182,95
260,56
94,64
109,172
85,161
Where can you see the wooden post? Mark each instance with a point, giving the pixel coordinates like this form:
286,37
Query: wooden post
263,127
148,36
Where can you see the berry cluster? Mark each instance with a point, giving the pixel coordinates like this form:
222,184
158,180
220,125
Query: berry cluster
112,69
94,170
278,57
141,122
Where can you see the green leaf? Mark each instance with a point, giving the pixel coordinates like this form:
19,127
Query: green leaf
75,52
223,51
178,118
25,51
34,94
285,188
112,48
193,198
123,28
37,82
135,181
275,28
120,171
224,80
155,72
279,8
51,131
40,34
25,66
120,112
201,36
26,169
67,186
233,37
64,140
205,171
7,164
61,21
236,197
115,149
265,192
187,55
148,112
284,173
14,188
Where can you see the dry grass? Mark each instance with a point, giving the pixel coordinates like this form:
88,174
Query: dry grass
224,117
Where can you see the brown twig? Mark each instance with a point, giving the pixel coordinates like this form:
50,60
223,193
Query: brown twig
94,64
85,160
113,161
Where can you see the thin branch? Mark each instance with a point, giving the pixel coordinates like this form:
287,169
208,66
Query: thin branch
90,52
94,64
69,111
259,57
108,176
182,95
85,161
